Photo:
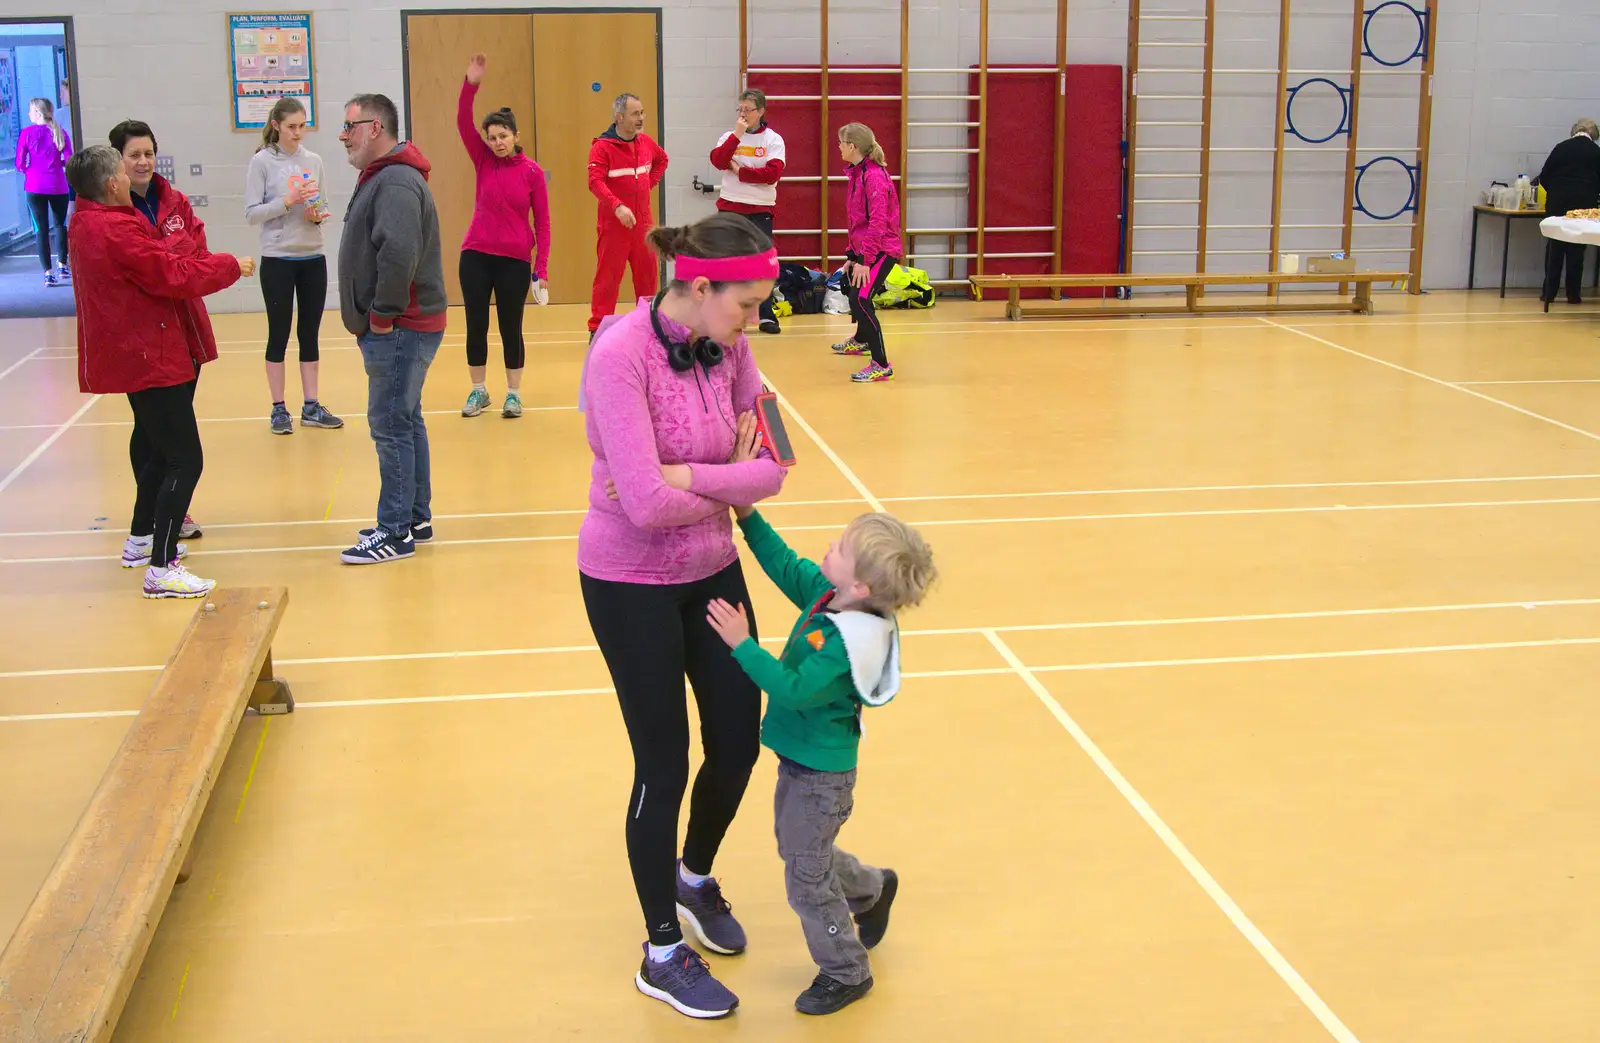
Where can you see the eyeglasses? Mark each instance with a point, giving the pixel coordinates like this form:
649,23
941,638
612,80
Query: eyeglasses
747,110
350,125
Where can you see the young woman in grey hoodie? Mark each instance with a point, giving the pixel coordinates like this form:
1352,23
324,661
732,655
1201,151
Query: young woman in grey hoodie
282,198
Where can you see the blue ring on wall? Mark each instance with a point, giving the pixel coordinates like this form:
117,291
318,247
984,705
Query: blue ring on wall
1421,48
1413,171
1345,94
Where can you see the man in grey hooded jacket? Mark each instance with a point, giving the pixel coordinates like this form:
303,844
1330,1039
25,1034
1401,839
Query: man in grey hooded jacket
392,297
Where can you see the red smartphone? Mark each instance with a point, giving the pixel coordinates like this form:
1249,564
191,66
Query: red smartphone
769,421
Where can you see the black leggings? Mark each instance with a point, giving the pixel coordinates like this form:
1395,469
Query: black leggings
869,330
283,281
167,461
43,206
763,221
650,637
508,278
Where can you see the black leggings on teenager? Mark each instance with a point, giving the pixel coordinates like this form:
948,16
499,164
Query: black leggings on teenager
42,207
869,331
285,281
167,461
651,636
509,279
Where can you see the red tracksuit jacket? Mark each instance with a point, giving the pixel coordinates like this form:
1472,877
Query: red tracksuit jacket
185,235
625,173
133,291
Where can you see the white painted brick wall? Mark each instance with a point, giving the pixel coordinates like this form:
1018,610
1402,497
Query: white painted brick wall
1510,79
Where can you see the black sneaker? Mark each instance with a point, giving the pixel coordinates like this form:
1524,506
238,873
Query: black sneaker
419,533
378,548
770,326
827,995
871,925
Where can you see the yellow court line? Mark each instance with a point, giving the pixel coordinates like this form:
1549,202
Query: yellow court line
266,722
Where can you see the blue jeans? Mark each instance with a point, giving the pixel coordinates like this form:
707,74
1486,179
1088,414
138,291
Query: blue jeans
397,365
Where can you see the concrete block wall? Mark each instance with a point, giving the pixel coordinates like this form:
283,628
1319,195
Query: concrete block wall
1510,79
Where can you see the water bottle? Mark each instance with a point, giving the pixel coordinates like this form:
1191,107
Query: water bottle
314,204
1522,185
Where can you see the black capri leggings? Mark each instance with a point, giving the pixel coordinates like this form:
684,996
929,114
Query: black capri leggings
508,278
283,281
42,206
869,330
650,637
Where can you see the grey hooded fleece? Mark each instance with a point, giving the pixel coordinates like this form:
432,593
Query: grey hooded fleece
389,260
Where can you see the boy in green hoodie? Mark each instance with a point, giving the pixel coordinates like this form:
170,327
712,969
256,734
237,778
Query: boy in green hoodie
843,654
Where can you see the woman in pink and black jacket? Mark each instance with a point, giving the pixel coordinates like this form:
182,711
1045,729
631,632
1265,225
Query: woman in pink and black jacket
873,212
670,391
495,256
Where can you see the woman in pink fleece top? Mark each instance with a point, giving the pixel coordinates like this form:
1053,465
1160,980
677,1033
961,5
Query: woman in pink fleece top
495,252
669,391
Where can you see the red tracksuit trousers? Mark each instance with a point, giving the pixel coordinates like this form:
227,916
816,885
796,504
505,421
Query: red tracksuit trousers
618,248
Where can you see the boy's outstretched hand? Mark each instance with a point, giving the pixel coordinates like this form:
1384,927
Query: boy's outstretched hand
730,623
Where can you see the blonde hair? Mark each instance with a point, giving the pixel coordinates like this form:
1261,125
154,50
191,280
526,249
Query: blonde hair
860,135
48,111
892,561
1586,126
282,109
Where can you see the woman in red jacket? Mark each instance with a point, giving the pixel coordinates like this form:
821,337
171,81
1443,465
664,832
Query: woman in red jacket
168,210
872,210
137,336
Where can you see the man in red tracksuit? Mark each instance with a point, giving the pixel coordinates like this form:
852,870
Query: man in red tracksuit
625,166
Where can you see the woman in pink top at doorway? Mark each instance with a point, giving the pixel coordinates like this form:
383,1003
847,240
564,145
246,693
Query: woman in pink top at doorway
670,390
495,253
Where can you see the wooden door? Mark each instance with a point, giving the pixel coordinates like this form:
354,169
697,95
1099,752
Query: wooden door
581,63
437,49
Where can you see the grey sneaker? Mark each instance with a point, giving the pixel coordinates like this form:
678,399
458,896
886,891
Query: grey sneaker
477,402
684,980
513,406
317,415
710,917
281,422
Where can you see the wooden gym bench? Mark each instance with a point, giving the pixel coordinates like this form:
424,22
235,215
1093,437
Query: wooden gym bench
67,971
1192,283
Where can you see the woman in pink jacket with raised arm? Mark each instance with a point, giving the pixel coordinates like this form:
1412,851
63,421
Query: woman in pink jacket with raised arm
670,392
496,251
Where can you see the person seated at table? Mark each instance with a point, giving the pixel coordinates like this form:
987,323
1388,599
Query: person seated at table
1571,180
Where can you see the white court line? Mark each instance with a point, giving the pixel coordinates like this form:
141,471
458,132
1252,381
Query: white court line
368,521
769,504
1207,882
262,420
1476,383
827,450
920,523
1434,380
60,430
1106,624
30,356
1290,657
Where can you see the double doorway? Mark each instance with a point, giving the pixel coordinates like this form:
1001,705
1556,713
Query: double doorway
559,71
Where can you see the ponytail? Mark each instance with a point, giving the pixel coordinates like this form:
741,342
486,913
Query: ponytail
48,111
282,109
860,135
722,234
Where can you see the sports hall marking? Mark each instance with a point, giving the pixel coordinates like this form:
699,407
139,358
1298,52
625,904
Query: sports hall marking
1433,380
1207,882
260,419
1234,512
61,429
29,357
1476,383
990,633
770,504
827,450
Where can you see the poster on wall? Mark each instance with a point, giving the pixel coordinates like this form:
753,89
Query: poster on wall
10,123
270,55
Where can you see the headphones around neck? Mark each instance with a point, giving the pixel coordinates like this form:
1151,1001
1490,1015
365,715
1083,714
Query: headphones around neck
681,355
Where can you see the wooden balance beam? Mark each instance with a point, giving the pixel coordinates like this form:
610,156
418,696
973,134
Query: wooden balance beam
1192,282
67,971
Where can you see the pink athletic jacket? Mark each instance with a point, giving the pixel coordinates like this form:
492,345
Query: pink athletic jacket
507,189
640,414
873,210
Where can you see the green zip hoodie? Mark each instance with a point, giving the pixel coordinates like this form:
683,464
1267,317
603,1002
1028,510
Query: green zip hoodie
832,664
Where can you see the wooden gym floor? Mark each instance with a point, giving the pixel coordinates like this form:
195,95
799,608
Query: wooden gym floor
1256,704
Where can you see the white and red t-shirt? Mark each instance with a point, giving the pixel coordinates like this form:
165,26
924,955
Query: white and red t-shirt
759,155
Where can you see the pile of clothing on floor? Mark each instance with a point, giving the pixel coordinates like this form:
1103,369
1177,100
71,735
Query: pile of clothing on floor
806,291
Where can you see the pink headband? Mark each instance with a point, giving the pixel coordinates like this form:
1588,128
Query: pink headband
749,268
